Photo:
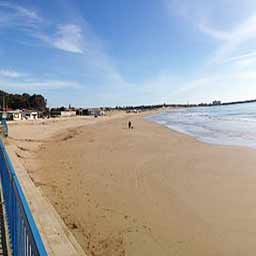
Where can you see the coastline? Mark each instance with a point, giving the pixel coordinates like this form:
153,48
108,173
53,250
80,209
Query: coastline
225,125
146,191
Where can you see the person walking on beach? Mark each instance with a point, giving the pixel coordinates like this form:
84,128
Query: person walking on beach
129,124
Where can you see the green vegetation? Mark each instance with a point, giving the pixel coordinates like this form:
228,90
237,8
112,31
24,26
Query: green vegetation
22,101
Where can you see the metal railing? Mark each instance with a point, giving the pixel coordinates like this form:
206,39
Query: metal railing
23,233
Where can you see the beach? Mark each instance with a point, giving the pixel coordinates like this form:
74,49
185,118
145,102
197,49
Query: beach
142,191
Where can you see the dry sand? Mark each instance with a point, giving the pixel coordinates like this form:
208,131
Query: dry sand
146,191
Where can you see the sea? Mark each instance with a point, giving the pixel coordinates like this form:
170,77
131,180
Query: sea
223,125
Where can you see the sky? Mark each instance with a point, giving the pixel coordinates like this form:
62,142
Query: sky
108,53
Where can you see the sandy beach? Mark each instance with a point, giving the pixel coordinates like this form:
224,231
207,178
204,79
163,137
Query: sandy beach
146,191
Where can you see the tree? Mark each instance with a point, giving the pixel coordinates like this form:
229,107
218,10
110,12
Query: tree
24,101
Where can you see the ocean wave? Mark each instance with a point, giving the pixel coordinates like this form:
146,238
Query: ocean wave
228,125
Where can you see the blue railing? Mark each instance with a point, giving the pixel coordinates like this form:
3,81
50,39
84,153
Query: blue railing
23,233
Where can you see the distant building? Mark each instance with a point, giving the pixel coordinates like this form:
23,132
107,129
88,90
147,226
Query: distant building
55,113
30,115
96,112
82,112
16,115
67,113
90,112
62,112
203,104
216,102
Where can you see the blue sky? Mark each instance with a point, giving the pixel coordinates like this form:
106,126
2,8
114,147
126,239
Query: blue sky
107,53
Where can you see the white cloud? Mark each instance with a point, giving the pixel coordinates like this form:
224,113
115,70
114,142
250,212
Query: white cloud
240,57
68,38
12,15
230,69
233,27
13,79
214,33
76,38
37,85
245,63
31,14
238,36
10,73
50,84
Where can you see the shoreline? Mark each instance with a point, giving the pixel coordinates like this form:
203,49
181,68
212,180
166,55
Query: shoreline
228,146
218,128
96,188
190,135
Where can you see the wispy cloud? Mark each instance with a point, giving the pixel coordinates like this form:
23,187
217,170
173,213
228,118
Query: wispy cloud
245,56
206,17
49,84
238,37
28,13
10,78
8,73
38,84
12,15
67,37
214,33
242,61
76,38
230,67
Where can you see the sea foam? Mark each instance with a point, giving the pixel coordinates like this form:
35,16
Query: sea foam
226,125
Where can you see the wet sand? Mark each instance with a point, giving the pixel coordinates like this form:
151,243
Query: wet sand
146,191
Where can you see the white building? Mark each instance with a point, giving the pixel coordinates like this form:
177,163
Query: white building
30,115
68,113
17,115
